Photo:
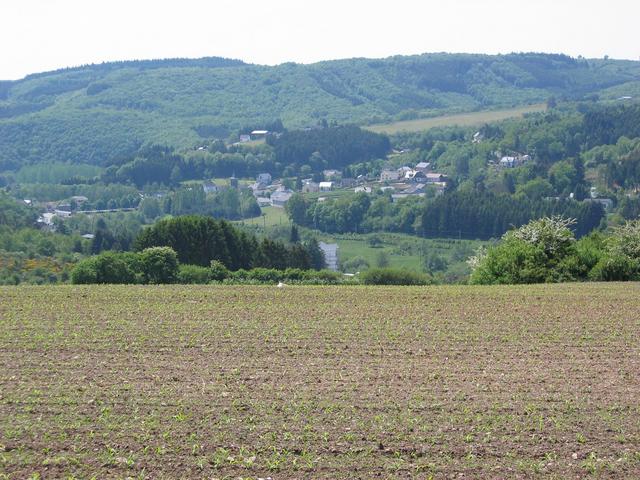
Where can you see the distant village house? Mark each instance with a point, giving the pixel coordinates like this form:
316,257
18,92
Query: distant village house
326,186
259,134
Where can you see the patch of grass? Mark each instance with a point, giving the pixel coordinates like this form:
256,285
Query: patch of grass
459,119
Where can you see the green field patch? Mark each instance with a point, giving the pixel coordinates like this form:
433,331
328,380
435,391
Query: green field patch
459,119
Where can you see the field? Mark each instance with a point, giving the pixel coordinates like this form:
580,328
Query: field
462,119
313,382
402,250
271,217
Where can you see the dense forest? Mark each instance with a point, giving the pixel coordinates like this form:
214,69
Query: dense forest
98,114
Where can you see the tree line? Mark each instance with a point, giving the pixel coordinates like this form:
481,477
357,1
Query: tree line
469,214
199,240
485,215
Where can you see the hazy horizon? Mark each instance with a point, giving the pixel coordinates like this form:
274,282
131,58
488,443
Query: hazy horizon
47,35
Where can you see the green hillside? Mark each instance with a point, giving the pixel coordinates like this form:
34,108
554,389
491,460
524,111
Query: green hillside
101,113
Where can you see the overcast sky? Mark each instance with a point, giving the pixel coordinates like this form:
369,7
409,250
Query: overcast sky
39,35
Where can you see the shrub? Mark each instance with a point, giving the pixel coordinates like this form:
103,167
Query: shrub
512,261
266,275
534,253
112,268
295,274
108,267
193,274
323,276
615,268
625,240
85,272
355,264
159,265
391,276
218,272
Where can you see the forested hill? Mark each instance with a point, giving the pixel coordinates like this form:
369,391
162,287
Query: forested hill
99,113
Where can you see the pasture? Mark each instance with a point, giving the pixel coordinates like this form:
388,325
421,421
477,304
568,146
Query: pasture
320,382
458,119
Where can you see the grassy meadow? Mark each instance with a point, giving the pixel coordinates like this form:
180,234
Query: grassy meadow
320,382
459,119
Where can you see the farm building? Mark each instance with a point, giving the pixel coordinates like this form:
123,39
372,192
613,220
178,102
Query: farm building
415,176
326,186
311,187
263,201
209,187
389,175
258,189
280,197
330,251
435,178
348,182
264,178
259,134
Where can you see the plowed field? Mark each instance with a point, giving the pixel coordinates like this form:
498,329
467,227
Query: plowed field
320,382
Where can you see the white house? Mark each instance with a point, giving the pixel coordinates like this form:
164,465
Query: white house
47,218
330,251
508,162
209,187
259,134
264,178
478,137
512,162
326,186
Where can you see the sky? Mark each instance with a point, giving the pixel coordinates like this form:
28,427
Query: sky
41,35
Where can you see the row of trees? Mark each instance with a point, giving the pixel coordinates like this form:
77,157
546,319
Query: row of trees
484,215
359,213
227,203
199,240
474,214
